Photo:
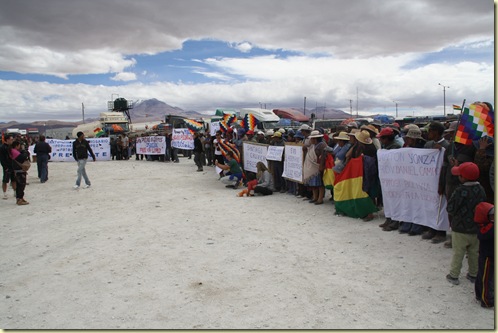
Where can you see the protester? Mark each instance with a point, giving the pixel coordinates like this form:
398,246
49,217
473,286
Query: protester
278,166
461,207
484,286
81,148
312,175
484,158
42,150
234,171
198,151
6,161
207,149
263,184
18,157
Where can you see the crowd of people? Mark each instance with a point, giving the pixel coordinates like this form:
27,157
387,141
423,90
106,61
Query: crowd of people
466,177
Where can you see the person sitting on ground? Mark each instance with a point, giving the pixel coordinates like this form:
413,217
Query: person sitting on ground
461,207
263,184
234,171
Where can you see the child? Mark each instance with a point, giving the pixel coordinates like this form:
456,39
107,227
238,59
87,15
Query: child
461,207
485,287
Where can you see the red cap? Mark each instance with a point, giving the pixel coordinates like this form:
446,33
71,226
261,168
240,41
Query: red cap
250,132
396,124
386,131
467,170
483,209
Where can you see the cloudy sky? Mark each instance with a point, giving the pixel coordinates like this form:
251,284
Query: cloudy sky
205,54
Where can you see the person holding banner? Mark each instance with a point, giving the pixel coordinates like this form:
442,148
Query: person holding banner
81,148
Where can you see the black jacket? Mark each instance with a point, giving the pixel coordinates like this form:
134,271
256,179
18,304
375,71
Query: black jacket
81,150
23,156
42,148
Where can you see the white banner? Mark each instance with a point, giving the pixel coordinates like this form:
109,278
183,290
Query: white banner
214,127
409,179
274,153
151,145
62,150
182,139
254,153
293,163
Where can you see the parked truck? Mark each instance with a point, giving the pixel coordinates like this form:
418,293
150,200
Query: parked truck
115,121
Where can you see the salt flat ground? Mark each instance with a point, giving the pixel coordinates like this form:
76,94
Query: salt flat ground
158,245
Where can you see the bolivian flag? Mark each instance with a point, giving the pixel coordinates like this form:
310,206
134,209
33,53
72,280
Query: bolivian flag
98,132
349,197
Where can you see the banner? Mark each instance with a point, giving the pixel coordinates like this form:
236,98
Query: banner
214,127
182,139
62,150
254,153
151,145
274,153
293,163
409,179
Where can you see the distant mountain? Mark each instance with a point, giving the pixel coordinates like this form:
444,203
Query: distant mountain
153,109
325,113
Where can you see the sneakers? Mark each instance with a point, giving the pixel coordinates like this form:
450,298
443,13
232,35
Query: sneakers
75,187
22,202
471,278
453,280
5,196
87,186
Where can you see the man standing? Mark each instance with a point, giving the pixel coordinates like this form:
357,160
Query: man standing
197,151
81,148
42,150
6,161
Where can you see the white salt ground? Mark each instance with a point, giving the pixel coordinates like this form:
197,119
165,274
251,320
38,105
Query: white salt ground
159,245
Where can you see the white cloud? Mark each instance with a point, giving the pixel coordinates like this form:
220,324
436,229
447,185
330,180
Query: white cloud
124,76
244,47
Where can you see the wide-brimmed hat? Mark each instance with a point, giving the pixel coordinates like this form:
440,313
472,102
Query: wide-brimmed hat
270,132
342,136
453,127
353,131
315,134
406,128
353,124
277,134
371,128
414,133
305,127
363,137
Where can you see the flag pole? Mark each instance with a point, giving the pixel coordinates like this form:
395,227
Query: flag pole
456,130
439,209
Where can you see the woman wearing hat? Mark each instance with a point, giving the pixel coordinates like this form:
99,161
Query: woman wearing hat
371,181
340,150
311,168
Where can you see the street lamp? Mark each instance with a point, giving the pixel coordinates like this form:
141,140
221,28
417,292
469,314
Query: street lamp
396,108
444,97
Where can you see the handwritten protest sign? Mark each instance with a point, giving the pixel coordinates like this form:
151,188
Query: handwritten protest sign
274,153
293,163
182,139
214,126
254,153
409,180
62,150
151,145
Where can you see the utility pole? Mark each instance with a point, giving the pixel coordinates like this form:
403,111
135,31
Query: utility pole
304,105
351,107
83,111
356,102
396,108
444,97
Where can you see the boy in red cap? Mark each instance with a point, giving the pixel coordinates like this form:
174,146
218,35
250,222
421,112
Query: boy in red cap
484,217
461,207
